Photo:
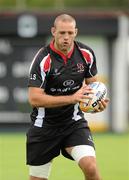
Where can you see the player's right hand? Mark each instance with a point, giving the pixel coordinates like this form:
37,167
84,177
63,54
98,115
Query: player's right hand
85,92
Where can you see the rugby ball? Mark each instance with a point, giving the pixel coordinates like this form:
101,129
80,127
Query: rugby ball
99,92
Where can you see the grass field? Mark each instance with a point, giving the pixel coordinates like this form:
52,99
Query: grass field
112,156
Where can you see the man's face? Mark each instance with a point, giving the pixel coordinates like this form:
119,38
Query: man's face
64,34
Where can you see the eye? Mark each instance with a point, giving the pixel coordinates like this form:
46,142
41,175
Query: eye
62,32
70,33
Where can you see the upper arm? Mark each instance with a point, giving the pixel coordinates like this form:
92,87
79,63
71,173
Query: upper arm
39,68
35,78
91,79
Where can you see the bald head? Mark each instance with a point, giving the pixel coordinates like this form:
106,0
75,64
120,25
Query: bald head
64,18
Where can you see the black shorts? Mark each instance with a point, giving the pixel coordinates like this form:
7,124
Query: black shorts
45,143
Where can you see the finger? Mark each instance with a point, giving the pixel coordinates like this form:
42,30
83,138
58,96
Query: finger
96,110
102,105
104,102
107,100
88,92
85,88
84,98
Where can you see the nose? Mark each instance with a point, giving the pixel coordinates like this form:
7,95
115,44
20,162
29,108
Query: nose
66,36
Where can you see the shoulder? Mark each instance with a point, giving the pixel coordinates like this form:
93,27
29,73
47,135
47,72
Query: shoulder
41,58
41,53
86,51
83,46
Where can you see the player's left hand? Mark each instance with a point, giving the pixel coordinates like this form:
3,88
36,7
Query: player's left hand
102,105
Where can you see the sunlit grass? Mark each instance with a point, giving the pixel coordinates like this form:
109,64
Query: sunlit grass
112,156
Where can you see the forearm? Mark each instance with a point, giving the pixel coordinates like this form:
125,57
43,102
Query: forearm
38,98
49,101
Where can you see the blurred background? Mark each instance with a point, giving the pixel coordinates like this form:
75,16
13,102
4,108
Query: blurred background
24,28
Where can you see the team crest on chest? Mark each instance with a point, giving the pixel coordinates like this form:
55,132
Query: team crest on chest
80,67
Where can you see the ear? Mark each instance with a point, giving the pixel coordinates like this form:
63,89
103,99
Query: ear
76,32
53,31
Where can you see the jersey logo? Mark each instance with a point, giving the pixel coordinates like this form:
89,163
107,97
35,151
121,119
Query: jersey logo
80,67
69,82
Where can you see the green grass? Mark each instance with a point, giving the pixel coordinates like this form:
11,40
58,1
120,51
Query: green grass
68,3
112,156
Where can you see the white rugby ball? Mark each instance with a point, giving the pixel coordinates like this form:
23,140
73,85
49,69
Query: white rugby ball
100,92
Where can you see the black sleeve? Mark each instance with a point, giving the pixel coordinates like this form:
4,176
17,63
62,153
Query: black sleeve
92,67
36,75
